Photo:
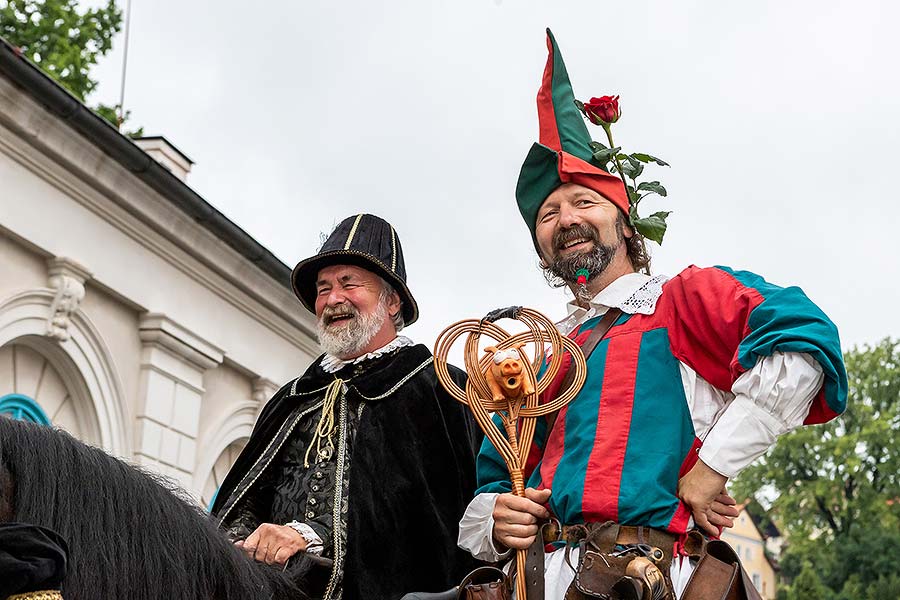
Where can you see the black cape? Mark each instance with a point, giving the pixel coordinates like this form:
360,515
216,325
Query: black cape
32,559
412,474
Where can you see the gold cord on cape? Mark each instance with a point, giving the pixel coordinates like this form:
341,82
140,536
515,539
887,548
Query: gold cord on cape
42,595
325,428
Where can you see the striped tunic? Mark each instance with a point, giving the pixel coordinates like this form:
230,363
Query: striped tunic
617,450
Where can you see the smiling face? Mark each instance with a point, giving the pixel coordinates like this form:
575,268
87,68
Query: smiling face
354,309
577,228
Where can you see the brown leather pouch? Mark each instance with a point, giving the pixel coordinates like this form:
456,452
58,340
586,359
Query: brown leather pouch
719,575
606,574
485,583
598,573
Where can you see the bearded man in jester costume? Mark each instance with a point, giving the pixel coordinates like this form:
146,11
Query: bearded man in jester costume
695,378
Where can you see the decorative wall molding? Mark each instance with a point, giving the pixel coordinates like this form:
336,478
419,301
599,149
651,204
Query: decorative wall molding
67,277
263,389
173,361
83,360
159,330
234,427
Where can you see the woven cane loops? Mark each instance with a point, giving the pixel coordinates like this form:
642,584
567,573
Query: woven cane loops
517,412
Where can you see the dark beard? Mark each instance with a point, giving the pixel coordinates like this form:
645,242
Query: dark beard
562,270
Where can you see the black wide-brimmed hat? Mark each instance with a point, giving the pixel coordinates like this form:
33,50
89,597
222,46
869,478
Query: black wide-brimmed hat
364,241
32,559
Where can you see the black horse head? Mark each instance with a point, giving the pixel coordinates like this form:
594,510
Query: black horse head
130,534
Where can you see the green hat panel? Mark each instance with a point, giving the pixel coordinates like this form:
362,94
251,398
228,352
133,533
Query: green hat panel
561,123
564,152
537,180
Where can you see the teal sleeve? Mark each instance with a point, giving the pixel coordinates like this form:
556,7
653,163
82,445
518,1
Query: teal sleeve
788,321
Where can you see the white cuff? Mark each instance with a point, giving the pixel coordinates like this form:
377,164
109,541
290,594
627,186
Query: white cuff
771,399
743,433
476,529
314,544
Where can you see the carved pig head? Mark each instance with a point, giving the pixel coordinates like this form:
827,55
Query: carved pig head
506,375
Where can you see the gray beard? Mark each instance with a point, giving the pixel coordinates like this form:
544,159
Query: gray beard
349,340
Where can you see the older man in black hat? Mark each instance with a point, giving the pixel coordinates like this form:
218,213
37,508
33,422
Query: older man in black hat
358,471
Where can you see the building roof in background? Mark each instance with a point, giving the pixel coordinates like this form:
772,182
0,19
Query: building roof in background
59,101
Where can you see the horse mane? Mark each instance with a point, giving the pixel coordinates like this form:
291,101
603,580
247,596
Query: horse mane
131,534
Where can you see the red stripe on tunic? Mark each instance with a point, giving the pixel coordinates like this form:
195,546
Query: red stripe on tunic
556,438
604,468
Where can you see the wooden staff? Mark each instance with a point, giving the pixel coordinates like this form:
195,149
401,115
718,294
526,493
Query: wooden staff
518,410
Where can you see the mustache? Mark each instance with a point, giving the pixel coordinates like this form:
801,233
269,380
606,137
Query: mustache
330,313
579,230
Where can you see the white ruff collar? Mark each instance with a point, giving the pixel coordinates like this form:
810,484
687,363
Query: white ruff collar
333,364
634,293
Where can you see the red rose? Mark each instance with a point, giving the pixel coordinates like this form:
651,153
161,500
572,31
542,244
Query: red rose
604,109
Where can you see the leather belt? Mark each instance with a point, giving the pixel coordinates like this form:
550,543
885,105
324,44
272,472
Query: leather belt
626,536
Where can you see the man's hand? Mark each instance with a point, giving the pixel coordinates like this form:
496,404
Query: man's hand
516,519
703,490
272,544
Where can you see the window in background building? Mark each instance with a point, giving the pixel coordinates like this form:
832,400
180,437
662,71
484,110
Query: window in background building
748,554
756,581
23,408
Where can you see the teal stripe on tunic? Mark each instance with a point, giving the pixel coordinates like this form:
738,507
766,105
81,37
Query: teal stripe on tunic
581,431
661,436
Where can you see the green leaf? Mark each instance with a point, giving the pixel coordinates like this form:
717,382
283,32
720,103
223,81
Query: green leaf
604,155
632,168
579,105
633,197
653,187
646,158
595,146
652,227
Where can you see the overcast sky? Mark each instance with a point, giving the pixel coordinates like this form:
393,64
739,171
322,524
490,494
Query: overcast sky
779,120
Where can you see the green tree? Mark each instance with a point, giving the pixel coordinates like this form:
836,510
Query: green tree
65,42
837,485
807,586
886,586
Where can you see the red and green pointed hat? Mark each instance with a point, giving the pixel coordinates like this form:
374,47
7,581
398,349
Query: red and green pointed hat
563,154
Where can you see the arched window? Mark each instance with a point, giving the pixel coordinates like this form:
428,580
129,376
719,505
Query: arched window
23,408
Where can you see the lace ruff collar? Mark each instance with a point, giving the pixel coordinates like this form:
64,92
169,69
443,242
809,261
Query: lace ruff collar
333,364
635,293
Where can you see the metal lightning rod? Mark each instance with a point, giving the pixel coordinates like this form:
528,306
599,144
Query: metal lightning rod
121,118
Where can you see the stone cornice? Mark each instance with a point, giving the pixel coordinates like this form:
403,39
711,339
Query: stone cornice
159,330
51,150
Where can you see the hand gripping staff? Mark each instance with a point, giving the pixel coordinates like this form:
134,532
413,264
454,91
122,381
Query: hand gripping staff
504,382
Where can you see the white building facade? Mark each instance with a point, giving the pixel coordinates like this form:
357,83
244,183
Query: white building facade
132,313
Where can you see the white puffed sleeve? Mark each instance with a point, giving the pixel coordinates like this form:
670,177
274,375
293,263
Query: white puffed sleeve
770,399
476,529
